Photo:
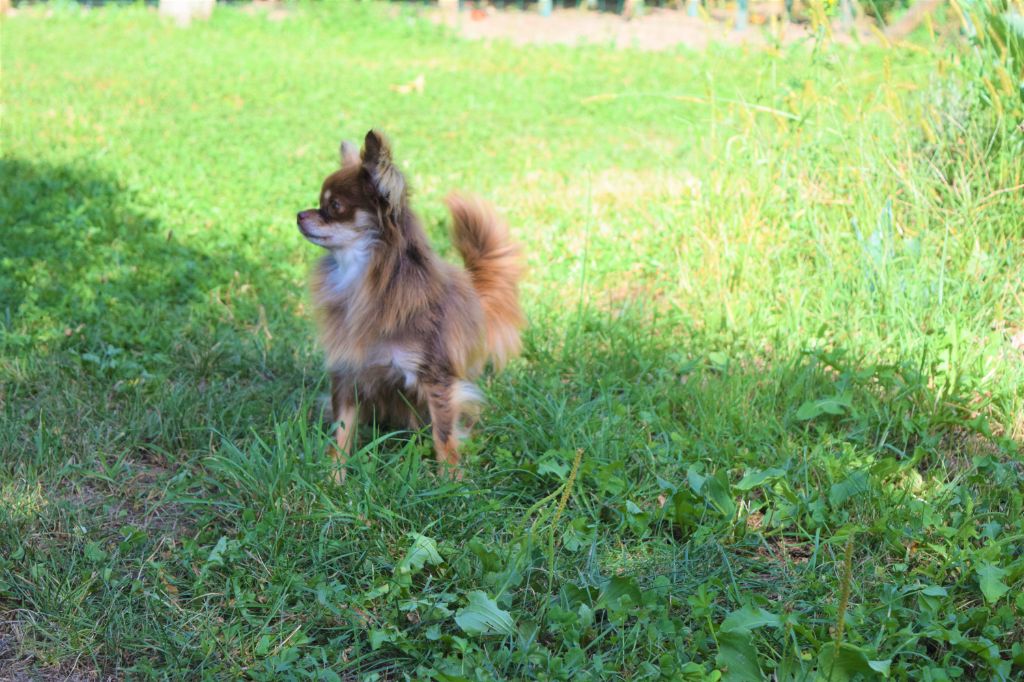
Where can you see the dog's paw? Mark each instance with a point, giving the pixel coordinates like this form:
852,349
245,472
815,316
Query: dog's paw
452,472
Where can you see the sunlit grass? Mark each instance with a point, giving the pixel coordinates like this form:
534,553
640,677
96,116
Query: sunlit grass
773,300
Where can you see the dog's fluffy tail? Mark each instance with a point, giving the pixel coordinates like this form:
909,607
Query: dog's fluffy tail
494,264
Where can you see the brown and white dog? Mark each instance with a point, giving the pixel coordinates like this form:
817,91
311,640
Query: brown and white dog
404,332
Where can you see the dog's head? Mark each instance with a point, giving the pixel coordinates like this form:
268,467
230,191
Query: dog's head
359,203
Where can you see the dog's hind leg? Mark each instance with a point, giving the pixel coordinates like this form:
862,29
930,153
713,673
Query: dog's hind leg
346,413
443,421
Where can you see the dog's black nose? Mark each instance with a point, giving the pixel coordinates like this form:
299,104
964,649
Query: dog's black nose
298,216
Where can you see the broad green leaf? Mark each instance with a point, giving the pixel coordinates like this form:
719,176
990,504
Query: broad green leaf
756,478
882,667
718,360
714,489
93,552
376,592
748,618
423,551
575,595
990,579
328,675
717,492
483,617
737,657
931,597
809,410
447,677
617,588
847,664
835,406
217,553
489,558
664,485
552,466
379,637
813,409
855,484
687,509
695,478
263,645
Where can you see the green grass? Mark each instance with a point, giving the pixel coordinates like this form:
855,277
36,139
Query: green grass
772,296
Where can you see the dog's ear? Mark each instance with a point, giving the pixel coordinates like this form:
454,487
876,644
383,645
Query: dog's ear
349,154
386,178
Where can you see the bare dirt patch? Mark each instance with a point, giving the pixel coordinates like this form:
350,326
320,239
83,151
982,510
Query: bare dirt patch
959,448
138,501
15,667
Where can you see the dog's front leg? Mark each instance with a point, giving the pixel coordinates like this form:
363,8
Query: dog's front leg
346,413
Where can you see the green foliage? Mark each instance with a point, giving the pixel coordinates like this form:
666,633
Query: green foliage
883,9
767,422
483,617
994,70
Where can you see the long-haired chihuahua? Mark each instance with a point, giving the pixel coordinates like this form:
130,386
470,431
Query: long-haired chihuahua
405,333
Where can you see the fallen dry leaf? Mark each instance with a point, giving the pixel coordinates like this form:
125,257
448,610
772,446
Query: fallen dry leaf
1017,340
416,85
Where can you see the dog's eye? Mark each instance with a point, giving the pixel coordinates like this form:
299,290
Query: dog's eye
335,206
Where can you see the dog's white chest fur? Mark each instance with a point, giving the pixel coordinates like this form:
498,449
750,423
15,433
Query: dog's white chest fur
351,266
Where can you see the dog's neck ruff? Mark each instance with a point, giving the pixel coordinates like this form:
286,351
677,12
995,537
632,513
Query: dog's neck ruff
350,266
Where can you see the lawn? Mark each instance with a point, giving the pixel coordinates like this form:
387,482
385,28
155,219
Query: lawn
767,422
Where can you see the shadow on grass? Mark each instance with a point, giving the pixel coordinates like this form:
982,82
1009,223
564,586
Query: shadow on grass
78,253
117,337
125,355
